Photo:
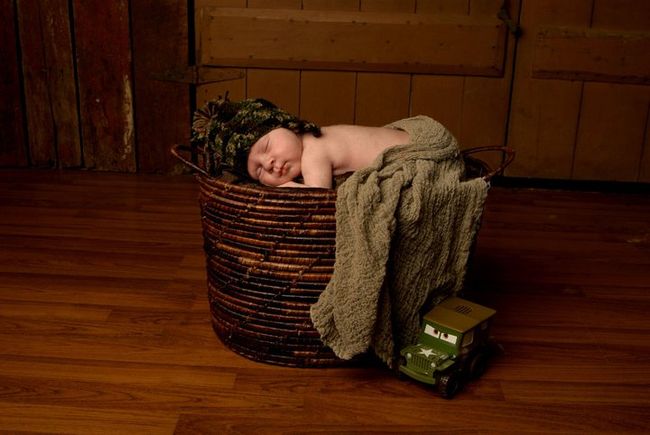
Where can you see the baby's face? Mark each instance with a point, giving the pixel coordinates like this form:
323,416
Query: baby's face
275,158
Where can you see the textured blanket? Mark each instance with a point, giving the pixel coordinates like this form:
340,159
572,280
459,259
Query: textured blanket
405,226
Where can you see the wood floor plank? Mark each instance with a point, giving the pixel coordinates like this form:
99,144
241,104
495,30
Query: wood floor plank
19,418
105,323
170,398
80,370
112,291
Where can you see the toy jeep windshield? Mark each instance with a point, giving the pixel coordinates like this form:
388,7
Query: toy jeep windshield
452,346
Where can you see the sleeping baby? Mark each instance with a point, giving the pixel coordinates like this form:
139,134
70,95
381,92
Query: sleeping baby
258,140
405,218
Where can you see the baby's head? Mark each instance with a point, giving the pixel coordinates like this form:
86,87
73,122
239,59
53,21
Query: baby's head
228,130
276,157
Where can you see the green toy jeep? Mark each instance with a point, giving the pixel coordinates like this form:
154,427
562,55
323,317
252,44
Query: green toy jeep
452,346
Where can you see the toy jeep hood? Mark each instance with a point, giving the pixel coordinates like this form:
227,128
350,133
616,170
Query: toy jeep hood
458,314
430,358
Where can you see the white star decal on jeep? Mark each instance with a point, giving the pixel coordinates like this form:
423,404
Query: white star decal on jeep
426,352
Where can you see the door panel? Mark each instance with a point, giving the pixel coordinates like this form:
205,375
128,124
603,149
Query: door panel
49,84
13,149
277,85
544,113
441,97
578,111
162,109
611,132
206,92
370,62
329,96
104,66
591,55
353,41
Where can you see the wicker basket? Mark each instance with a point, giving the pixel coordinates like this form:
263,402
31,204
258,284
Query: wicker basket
270,254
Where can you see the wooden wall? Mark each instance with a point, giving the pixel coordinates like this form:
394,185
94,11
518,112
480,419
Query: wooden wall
581,95
471,102
12,132
106,85
79,84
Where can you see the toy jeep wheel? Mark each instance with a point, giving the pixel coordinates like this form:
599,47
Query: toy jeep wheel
449,385
477,366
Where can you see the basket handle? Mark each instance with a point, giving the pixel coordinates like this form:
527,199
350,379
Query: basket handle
509,152
176,152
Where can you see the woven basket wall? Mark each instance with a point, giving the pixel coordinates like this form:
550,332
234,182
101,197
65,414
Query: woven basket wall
270,254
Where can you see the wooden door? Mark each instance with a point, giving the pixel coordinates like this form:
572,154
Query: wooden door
12,146
581,96
366,62
81,84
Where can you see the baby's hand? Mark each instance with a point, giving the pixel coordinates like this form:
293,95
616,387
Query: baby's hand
293,184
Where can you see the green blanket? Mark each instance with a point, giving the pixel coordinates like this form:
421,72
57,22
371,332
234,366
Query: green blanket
405,226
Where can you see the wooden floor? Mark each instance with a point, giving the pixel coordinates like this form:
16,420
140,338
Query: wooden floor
104,323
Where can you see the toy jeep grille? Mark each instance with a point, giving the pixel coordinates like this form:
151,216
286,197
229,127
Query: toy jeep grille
421,363
463,309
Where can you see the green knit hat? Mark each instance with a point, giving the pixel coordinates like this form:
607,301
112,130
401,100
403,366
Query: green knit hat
226,130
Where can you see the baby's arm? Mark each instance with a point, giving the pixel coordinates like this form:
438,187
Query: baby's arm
317,171
293,184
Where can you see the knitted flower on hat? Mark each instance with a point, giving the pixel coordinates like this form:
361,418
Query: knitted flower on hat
226,130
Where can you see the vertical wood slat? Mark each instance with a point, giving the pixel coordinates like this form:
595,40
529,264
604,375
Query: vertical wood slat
622,14
486,99
162,108
328,97
105,84
209,91
611,132
388,5
13,150
611,135
62,82
644,164
40,126
282,87
49,80
383,98
440,97
274,4
475,109
442,6
544,113
491,7
331,5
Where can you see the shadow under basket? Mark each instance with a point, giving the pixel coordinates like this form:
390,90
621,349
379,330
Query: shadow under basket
269,256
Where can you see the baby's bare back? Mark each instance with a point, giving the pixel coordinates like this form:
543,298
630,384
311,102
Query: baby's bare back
353,147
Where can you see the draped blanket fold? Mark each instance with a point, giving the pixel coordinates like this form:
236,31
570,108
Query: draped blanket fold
405,226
